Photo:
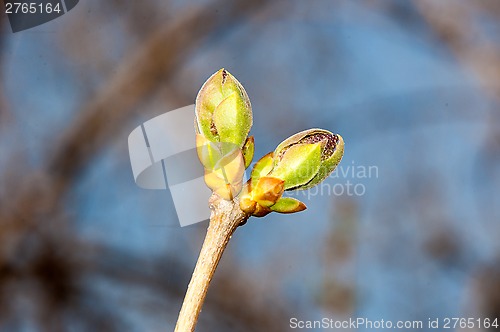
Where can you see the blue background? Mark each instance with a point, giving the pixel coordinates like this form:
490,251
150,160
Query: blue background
413,87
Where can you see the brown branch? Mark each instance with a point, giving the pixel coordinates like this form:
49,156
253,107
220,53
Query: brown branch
226,217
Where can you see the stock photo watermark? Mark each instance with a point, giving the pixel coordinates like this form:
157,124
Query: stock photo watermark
24,15
348,179
454,323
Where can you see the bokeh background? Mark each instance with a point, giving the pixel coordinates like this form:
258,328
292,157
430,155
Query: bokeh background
412,86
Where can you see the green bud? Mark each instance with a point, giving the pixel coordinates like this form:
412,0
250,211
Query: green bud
307,158
223,110
267,191
223,120
266,197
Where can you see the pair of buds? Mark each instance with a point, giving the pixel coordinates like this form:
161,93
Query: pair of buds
223,121
299,162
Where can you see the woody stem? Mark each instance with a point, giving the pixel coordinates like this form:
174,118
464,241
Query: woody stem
225,218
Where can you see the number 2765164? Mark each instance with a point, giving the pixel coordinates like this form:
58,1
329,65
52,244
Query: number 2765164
454,323
32,8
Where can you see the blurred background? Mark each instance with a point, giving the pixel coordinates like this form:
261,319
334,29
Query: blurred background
412,86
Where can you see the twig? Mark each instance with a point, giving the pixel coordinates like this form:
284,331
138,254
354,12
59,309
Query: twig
226,217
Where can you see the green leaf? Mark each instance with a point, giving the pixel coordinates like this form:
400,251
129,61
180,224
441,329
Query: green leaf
209,96
261,168
298,165
232,120
288,205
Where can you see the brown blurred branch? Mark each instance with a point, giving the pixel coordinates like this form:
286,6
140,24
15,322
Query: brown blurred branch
465,28
226,298
136,78
456,25
34,206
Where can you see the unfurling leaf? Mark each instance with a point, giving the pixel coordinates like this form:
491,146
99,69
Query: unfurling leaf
261,168
307,158
288,205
